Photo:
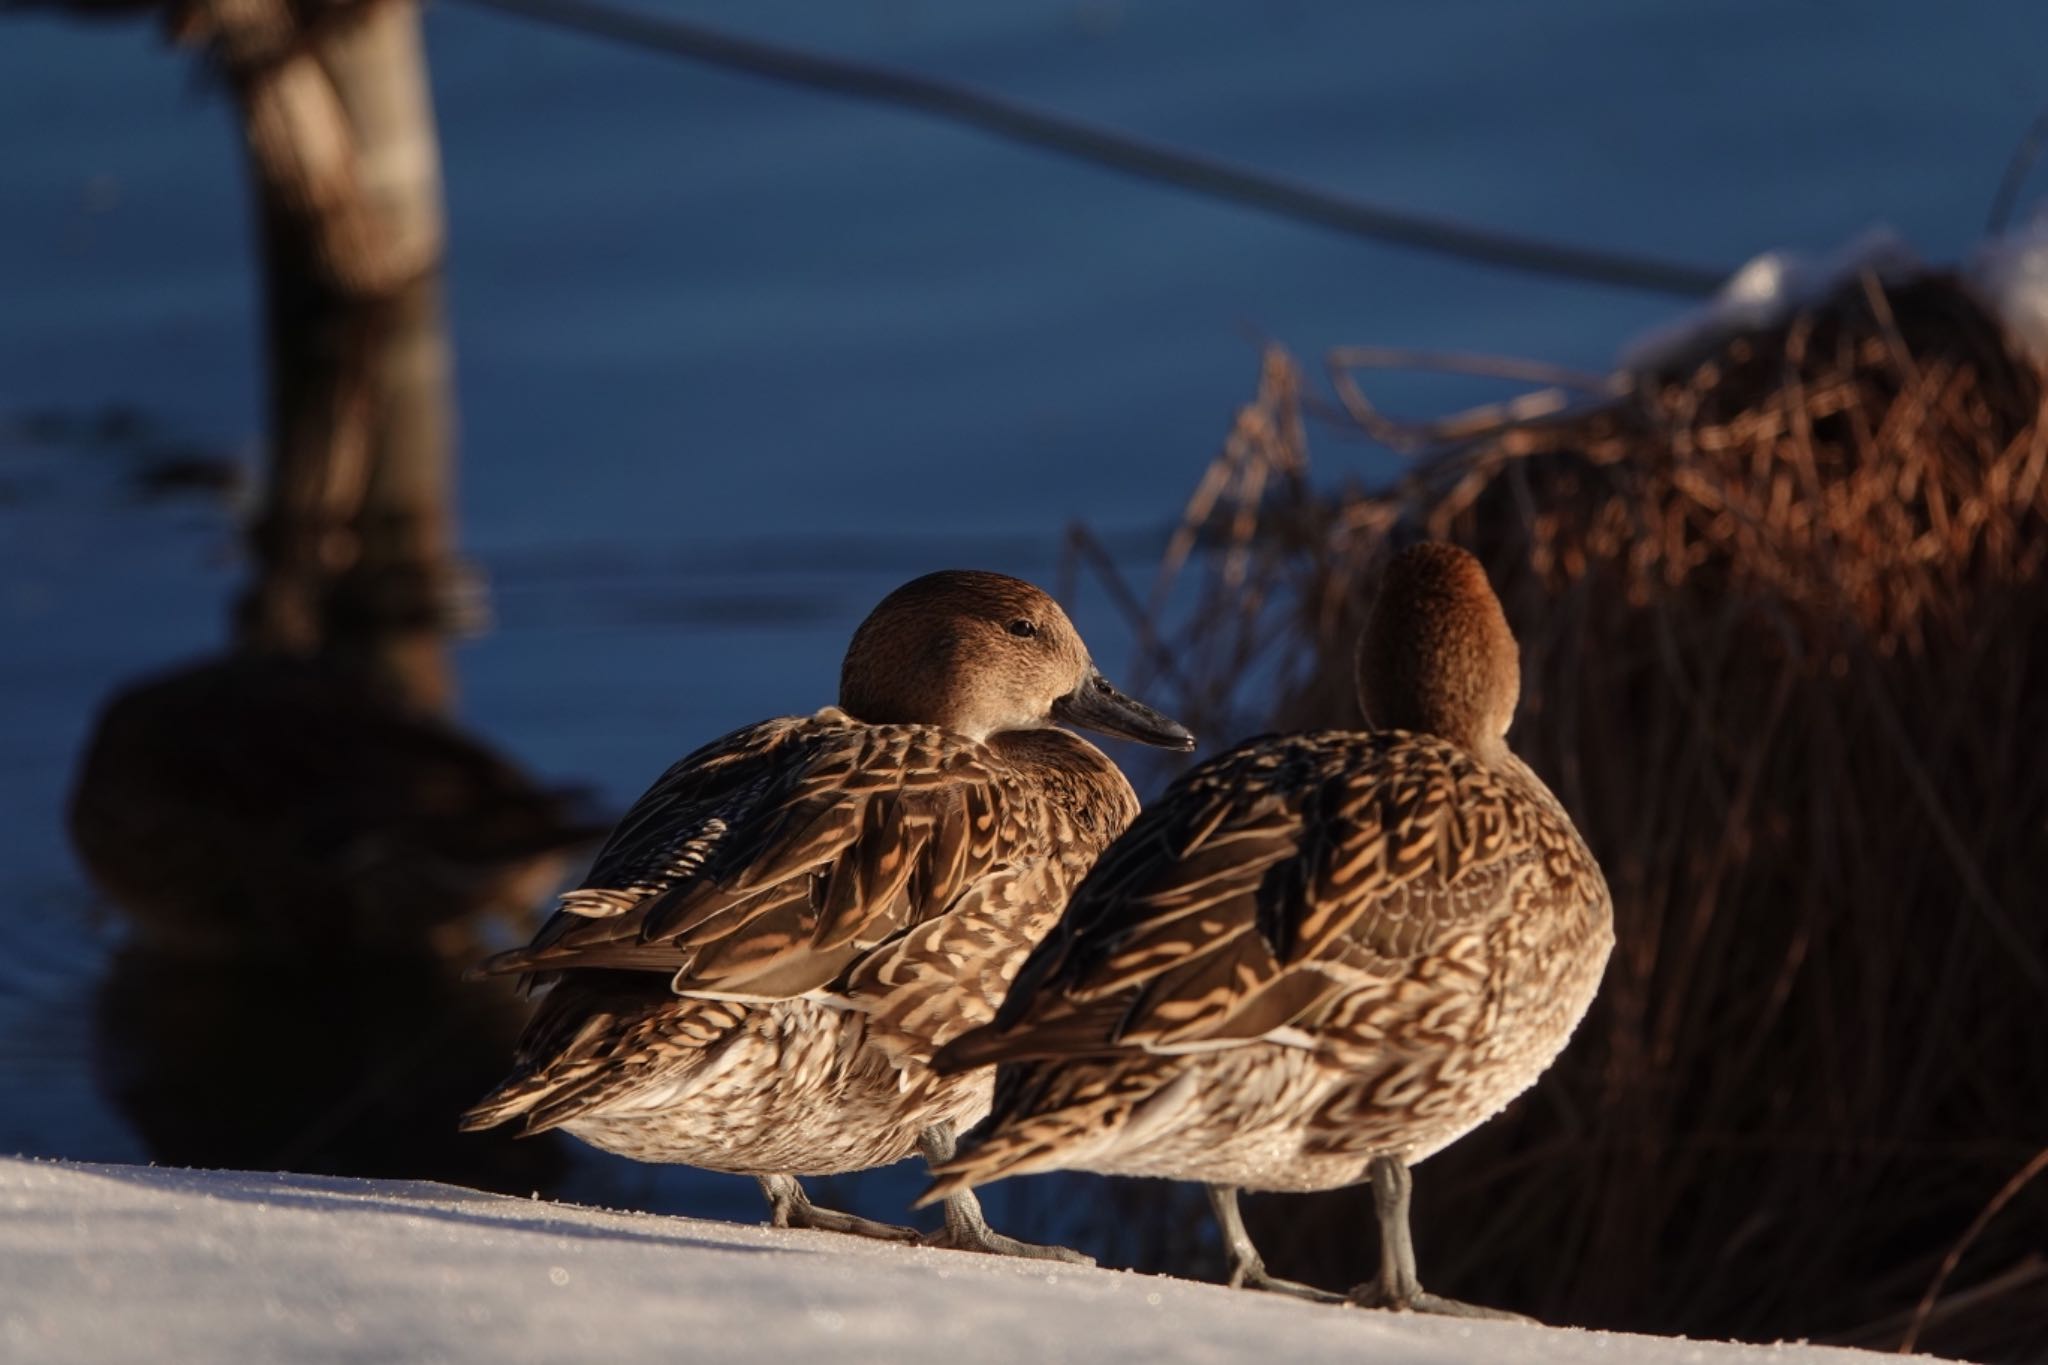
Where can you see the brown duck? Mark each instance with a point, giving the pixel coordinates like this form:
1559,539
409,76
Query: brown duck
1318,958
783,930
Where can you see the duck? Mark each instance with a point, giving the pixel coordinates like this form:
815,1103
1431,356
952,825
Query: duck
780,933
1318,958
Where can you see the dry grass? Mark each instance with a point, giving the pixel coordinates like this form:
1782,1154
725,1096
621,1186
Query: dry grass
1785,638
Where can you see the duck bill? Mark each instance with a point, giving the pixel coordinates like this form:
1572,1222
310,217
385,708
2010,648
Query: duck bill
1095,705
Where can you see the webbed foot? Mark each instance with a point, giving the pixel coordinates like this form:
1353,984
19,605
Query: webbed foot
966,1229
1397,1287
790,1207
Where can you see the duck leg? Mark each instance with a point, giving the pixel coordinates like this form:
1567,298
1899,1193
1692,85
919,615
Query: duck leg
790,1207
966,1229
1247,1267
1397,1286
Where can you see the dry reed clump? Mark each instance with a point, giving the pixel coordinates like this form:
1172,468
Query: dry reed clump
1785,643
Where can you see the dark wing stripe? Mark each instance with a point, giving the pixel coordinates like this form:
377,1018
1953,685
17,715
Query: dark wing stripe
867,880
1183,1003
1202,827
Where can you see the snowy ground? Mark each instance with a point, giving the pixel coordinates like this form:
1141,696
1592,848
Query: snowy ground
107,1263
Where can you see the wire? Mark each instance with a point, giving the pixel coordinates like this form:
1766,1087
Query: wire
1118,151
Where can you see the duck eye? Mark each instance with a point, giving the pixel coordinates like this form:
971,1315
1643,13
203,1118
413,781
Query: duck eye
1022,627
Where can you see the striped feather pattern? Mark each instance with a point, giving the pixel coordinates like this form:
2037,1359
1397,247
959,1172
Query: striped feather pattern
1312,949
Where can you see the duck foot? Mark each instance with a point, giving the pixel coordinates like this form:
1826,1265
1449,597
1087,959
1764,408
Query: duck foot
1374,1295
979,1236
790,1207
967,1229
1397,1288
1247,1267
1255,1277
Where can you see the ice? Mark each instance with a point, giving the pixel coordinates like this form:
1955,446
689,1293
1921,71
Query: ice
1764,292
103,1262
2008,274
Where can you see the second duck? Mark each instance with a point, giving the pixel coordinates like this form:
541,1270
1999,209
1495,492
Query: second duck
1317,958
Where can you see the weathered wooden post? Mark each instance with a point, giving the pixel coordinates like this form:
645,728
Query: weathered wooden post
354,547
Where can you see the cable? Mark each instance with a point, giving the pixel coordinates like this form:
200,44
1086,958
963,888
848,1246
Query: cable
1118,151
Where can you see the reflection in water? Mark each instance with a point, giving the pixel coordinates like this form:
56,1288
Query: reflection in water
350,1065
307,868
268,805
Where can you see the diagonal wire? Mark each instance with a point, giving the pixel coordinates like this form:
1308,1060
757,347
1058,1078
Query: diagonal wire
1118,151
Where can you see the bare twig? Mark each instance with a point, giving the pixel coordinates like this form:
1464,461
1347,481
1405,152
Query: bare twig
2006,1193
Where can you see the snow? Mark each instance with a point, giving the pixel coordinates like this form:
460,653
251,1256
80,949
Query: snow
2009,276
1764,292
104,1262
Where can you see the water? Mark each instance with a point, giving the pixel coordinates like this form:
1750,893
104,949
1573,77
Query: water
733,359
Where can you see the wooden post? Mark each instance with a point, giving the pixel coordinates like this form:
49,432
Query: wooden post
354,547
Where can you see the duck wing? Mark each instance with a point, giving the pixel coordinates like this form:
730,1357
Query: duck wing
1260,891
765,864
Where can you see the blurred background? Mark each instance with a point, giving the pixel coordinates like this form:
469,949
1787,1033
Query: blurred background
732,358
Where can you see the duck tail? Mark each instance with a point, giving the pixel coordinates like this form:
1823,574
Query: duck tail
1068,1035
985,1157
1045,1118
545,1096
514,1099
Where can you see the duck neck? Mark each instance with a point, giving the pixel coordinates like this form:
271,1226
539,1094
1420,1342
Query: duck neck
1492,750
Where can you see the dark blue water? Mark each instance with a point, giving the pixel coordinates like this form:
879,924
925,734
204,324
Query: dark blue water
734,359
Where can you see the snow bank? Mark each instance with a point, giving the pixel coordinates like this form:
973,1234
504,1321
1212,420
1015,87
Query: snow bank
1766,291
2009,275
102,1263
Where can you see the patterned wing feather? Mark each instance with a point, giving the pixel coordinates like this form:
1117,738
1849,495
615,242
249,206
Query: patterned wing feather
950,974
762,866
1262,886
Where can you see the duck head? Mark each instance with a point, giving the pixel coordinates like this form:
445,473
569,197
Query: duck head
980,653
1437,656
